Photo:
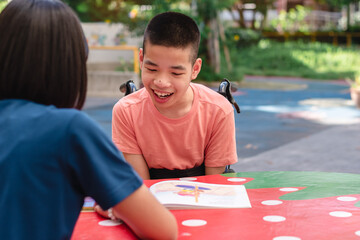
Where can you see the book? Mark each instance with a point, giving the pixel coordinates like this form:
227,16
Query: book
88,204
176,194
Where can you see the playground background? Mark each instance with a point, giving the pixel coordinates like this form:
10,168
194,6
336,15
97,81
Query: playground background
285,124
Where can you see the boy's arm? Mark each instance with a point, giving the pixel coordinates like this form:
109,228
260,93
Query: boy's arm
137,161
221,149
146,216
214,170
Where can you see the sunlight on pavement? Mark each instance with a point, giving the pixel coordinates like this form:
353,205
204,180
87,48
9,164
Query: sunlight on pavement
323,111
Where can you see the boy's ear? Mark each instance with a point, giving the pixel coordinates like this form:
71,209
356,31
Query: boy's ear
196,68
141,57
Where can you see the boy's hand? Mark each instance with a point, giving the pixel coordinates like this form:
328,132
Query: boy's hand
214,170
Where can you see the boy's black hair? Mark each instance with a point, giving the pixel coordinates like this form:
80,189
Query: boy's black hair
173,29
42,54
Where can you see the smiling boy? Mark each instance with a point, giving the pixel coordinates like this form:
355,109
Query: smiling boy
172,127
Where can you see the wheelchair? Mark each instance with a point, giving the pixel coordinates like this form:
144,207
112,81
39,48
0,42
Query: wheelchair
225,89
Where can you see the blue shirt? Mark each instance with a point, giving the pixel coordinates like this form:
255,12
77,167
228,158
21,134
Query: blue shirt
50,159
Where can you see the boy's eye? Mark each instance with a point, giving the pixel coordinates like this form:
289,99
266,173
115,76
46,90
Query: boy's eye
177,74
151,69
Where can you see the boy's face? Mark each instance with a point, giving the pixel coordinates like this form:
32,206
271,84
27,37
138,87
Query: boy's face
166,75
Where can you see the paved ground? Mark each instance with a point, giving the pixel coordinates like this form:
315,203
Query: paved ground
336,149
285,124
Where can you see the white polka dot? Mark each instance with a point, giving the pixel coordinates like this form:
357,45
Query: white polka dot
286,238
236,179
109,223
347,199
188,179
289,189
273,218
357,233
185,234
194,223
271,202
340,214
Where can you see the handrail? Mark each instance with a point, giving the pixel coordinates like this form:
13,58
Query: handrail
313,35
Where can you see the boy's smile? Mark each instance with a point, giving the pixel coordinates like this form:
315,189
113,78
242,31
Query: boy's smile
166,75
161,96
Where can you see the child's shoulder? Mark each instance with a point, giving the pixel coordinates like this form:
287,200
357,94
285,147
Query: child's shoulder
207,95
134,98
205,90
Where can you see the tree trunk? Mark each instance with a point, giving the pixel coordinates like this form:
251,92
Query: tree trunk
226,49
348,17
263,21
213,45
239,8
242,23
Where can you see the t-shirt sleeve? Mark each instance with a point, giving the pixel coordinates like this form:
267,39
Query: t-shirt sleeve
221,148
123,130
97,164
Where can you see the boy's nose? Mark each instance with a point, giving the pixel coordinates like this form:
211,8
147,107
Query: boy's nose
161,82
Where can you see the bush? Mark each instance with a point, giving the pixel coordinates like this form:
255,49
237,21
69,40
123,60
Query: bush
242,38
207,74
298,59
354,28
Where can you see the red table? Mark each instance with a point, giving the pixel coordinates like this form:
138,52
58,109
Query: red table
285,206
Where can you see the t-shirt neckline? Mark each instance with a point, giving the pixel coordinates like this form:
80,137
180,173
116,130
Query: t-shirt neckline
187,115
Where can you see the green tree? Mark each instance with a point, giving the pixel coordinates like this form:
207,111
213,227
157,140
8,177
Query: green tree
292,20
208,13
339,4
261,6
101,10
205,12
3,4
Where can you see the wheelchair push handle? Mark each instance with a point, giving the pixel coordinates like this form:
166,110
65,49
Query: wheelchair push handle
128,87
225,89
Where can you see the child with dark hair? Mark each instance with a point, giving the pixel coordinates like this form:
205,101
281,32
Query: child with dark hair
172,127
52,155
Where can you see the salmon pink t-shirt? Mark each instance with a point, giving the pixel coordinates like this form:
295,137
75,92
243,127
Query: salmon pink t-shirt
205,133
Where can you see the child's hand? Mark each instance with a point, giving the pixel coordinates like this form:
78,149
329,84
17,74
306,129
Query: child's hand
100,211
105,214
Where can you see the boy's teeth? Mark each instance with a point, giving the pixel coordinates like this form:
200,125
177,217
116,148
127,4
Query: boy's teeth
162,95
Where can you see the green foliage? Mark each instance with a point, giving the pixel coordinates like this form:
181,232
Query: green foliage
209,9
250,55
338,3
298,59
204,11
354,25
3,4
207,74
159,6
241,38
354,82
354,28
292,21
144,13
100,10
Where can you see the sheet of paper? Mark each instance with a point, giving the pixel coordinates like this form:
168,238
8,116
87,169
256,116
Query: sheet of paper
184,194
